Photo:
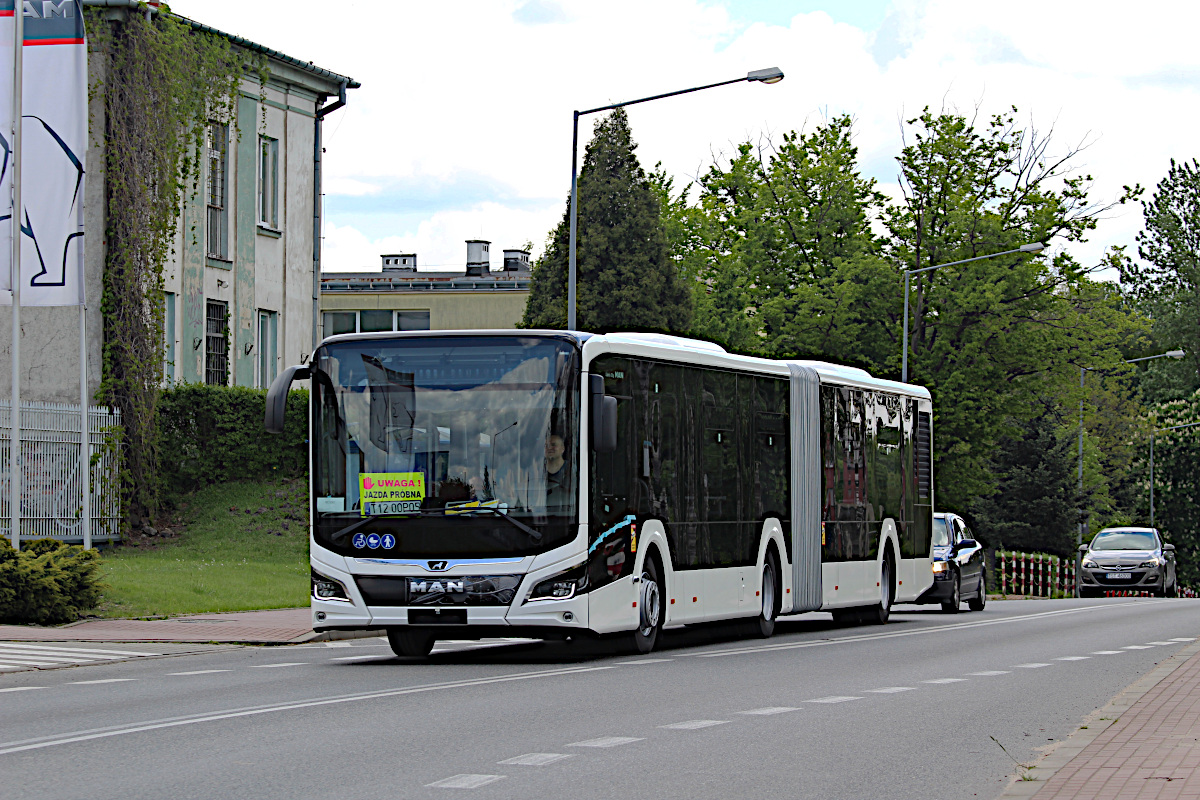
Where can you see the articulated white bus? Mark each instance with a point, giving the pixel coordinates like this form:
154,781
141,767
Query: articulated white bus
550,484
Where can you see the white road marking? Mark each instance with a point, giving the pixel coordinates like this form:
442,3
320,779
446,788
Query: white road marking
5,646
21,688
1034,665
833,699
892,689
919,632
949,680
356,658
764,712
536,759
45,661
1072,658
1136,647
1184,639
987,673
1161,644
172,722
338,644
465,781
105,680
285,664
693,724
199,672
1106,652
645,661
606,741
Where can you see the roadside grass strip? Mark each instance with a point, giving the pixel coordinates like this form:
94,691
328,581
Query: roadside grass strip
465,781
536,759
607,741
693,724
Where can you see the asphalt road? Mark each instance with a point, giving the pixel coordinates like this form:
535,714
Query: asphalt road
919,708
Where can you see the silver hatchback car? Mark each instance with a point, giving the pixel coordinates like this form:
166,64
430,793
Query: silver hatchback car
1127,558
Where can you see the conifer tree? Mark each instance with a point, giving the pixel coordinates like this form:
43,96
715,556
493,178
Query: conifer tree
625,280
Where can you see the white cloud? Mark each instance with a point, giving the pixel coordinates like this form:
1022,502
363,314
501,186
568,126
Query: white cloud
483,90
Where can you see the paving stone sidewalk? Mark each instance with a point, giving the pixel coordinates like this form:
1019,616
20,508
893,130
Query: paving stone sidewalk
276,626
1144,745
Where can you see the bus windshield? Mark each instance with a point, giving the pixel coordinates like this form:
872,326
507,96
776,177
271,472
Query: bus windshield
441,446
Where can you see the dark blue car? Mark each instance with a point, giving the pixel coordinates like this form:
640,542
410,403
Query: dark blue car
958,569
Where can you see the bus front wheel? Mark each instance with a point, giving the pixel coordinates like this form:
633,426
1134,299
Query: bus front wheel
770,596
410,643
650,609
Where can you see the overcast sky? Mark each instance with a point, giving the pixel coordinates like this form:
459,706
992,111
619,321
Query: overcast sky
462,127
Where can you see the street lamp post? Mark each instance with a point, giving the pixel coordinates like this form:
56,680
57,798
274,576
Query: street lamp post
1082,372
1152,433
1032,247
769,75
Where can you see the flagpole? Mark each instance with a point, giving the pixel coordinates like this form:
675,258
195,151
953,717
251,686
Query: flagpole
14,442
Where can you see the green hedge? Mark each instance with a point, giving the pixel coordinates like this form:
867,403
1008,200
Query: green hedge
214,434
47,582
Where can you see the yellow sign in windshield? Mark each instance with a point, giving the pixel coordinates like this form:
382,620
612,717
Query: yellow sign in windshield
390,492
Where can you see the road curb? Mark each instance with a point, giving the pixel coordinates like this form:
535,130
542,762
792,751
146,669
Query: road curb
1094,724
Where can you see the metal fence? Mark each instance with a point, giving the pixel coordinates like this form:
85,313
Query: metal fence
51,488
1041,575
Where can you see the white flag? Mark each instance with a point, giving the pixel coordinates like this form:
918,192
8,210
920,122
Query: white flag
53,142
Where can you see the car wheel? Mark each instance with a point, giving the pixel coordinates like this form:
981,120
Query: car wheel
1087,591
770,596
953,605
978,602
650,615
410,643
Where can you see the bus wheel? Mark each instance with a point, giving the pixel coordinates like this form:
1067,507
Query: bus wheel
770,596
650,616
410,643
879,614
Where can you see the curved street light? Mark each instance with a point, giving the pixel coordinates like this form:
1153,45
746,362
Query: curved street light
1032,247
769,75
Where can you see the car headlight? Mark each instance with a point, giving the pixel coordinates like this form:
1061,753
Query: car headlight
562,586
327,588
939,566
1089,564
1154,562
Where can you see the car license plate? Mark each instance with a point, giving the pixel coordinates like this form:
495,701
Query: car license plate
1120,576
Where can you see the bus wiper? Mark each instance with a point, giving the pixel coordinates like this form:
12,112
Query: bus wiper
536,535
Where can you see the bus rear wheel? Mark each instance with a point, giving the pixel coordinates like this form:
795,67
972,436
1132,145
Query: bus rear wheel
878,614
650,610
770,596
410,643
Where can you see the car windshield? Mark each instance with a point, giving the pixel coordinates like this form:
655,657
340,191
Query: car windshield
941,532
1124,540
444,436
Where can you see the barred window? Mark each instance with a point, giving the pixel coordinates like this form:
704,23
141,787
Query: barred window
217,227
216,344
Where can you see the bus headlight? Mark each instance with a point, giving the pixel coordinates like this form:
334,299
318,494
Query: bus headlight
939,566
562,586
327,588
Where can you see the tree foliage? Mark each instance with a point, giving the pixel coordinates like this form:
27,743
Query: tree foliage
625,279
1177,482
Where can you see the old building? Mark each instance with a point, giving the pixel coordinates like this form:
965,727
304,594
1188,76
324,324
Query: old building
400,298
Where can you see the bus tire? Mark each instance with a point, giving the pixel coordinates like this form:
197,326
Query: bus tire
650,609
770,595
879,613
410,643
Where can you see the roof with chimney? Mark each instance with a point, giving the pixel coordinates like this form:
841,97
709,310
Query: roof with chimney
399,274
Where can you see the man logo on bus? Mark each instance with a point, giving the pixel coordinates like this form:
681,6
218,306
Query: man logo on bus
438,566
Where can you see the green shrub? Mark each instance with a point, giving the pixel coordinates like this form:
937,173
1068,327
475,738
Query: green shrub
215,434
48,582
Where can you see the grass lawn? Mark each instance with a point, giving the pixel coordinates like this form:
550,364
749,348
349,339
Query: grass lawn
232,547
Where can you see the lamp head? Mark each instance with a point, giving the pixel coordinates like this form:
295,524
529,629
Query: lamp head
1174,354
1032,247
769,75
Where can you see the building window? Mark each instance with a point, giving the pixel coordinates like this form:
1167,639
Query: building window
372,321
268,182
267,347
169,336
218,190
340,322
412,320
216,344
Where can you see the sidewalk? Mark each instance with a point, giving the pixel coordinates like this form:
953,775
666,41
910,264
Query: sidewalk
276,626
1144,745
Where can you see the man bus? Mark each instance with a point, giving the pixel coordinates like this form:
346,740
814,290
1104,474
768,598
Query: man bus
553,484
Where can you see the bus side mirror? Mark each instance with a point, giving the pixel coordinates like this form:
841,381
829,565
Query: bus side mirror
277,396
604,417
